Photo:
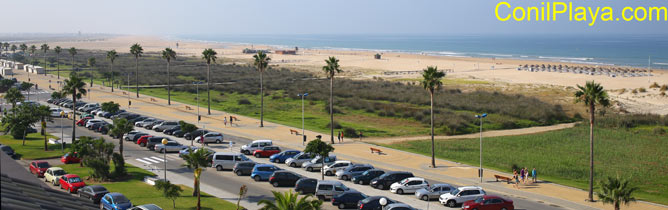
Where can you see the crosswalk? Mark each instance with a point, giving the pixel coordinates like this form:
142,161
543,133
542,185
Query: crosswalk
157,159
34,92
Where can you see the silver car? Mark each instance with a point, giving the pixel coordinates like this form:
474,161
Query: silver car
316,164
299,159
145,122
433,192
352,171
171,146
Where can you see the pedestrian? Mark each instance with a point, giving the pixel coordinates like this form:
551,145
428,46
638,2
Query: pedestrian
526,175
521,174
129,103
304,141
231,120
361,135
533,175
517,180
225,121
339,136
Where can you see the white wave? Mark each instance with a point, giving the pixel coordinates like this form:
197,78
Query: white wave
565,58
495,55
664,64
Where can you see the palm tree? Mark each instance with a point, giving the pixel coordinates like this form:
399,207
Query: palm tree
6,46
44,48
44,114
331,69
209,55
76,87
196,160
23,48
591,94
14,96
320,148
261,63
91,63
290,201
616,191
58,50
431,80
121,126
137,51
32,50
169,54
13,48
73,52
112,55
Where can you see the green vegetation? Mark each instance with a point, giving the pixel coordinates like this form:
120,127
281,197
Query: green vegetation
34,148
617,192
140,193
563,156
290,201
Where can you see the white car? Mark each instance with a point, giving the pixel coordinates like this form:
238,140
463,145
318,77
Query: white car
338,165
461,195
409,185
210,138
52,174
144,122
92,121
55,112
171,146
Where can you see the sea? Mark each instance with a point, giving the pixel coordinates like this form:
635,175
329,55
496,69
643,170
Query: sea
639,51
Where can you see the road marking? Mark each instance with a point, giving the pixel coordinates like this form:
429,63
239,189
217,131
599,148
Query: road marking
150,160
157,158
145,162
173,157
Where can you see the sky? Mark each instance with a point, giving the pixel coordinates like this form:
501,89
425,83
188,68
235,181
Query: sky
184,17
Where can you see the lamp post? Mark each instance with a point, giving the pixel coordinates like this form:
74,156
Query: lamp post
197,87
303,95
480,117
164,156
62,131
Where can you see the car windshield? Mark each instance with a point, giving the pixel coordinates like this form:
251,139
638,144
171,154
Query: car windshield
404,181
43,165
455,192
74,180
478,200
120,199
59,172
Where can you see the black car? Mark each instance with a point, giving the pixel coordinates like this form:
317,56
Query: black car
171,130
348,199
93,192
194,134
306,185
367,176
284,178
137,119
96,126
178,133
105,130
372,203
7,150
136,136
243,168
384,181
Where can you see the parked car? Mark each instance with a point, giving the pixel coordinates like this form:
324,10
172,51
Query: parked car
489,202
373,203
178,133
316,164
55,112
128,136
105,130
384,181
135,136
170,131
92,121
331,168
144,122
186,150
227,160
165,125
143,140
433,192
171,146
52,175
262,172
266,151
93,192
210,137
192,135
151,124
70,157
306,185
115,201
136,119
409,185
461,195
71,182
398,206
39,167
327,189
353,171
152,141
7,150
348,199
284,178
82,121
282,156
243,168
299,159
255,145
146,207
96,126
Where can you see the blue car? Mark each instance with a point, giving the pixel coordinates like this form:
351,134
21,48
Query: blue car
281,157
262,172
115,201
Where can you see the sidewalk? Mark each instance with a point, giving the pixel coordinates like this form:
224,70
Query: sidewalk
446,171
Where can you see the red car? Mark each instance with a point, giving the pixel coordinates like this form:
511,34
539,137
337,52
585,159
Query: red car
143,140
488,202
70,158
82,121
39,167
71,182
266,151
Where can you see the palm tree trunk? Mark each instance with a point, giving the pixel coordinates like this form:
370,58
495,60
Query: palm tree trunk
331,108
208,83
261,101
58,65
74,116
45,65
137,74
591,151
44,134
169,87
112,77
198,196
120,145
433,162
73,63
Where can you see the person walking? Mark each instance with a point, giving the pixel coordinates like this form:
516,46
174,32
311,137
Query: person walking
231,121
533,175
339,136
225,121
526,175
521,174
517,180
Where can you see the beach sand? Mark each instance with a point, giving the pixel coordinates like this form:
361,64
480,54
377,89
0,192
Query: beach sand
362,65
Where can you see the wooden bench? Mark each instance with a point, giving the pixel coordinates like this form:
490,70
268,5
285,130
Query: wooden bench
508,179
153,100
375,150
188,108
293,131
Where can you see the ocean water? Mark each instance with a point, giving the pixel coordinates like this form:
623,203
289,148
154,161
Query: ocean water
620,50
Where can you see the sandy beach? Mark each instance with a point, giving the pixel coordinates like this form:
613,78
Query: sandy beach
363,65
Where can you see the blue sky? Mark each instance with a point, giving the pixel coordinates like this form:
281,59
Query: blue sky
172,17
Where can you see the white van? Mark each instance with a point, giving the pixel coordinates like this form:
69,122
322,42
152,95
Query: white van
227,160
255,145
327,189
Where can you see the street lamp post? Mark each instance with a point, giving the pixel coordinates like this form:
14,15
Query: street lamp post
197,85
62,131
164,156
303,95
480,117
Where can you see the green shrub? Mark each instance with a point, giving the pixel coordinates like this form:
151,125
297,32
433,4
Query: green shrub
243,101
642,90
350,133
654,85
99,168
659,131
336,125
119,165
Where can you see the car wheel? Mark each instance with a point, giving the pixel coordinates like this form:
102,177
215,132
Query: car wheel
53,182
239,173
425,198
257,155
321,197
293,165
257,178
452,203
344,177
400,191
142,144
329,173
277,160
162,150
275,184
358,182
309,169
504,208
218,141
219,167
342,206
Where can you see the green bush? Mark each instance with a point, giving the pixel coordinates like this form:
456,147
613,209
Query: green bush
336,125
350,133
99,168
243,101
119,165
659,131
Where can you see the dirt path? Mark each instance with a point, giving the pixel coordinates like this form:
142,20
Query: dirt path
511,132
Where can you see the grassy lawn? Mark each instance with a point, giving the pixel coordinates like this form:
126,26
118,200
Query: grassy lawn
34,148
141,193
563,156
